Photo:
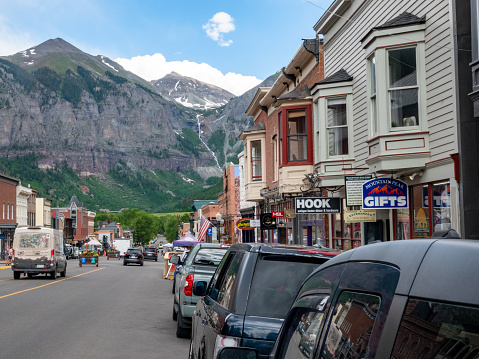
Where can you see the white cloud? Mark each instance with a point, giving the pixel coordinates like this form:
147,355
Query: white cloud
12,42
154,67
221,23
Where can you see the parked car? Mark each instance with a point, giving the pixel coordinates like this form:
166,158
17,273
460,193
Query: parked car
403,299
177,268
199,265
150,252
38,250
249,296
133,255
75,252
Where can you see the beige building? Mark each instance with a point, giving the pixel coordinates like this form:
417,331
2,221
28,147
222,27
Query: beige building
23,194
43,212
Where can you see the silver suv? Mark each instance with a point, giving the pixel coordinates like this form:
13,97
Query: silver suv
199,265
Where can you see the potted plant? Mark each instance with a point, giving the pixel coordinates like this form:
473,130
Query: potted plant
88,257
112,253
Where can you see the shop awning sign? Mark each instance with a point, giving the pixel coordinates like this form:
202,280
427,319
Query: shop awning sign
385,193
312,205
354,186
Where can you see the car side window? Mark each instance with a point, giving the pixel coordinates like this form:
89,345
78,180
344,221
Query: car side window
437,330
216,280
303,328
229,283
351,325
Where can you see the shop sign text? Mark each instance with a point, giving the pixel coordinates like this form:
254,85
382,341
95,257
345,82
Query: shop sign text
317,205
385,193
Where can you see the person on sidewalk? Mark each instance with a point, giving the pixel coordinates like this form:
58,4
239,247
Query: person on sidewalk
9,255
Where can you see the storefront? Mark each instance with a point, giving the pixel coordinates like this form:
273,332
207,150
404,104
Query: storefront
430,208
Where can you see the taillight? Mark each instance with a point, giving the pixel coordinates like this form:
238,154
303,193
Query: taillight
13,252
222,342
156,253
144,252
53,254
127,254
189,285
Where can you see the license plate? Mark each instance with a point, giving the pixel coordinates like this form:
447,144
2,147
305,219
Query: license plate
133,256
40,265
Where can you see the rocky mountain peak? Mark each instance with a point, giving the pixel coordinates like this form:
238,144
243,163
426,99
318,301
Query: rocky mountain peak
53,46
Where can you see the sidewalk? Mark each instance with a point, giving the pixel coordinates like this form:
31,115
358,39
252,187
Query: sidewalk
3,264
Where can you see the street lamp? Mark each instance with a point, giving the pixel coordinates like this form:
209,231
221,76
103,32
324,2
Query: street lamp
218,220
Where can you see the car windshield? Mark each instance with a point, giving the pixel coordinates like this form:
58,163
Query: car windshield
133,251
150,250
275,285
209,256
34,240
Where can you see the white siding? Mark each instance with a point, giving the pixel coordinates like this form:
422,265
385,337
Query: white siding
343,50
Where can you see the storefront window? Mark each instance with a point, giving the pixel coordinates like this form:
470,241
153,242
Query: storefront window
420,211
442,205
403,229
345,235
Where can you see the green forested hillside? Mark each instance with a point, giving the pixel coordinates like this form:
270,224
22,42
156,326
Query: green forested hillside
150,191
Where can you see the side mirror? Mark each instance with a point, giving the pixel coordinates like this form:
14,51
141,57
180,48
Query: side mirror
237,353
199,288
174,260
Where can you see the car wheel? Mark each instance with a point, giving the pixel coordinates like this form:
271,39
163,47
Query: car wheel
141,263
175,313
64,273
30,275
16,275
181,331
53,274
124,263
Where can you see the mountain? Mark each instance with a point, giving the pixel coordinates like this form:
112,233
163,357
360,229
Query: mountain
222,126
68,105
190,92
86,115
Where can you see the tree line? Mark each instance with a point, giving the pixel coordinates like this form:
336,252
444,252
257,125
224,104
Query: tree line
145,226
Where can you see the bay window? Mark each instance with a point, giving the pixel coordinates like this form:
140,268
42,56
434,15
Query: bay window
337,127
256,160
403,87
297,135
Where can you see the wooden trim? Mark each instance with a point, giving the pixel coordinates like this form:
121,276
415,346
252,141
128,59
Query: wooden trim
405,148
399,133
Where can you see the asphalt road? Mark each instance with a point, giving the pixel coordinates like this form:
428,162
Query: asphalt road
110,311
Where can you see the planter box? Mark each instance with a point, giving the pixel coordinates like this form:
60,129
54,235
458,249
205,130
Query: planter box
113,255
88,260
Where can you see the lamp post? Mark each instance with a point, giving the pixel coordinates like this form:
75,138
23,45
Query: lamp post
218,220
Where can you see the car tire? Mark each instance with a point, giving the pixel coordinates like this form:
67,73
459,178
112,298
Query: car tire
64,273
174,316
141,263
124,263
181,331
53,275
16,275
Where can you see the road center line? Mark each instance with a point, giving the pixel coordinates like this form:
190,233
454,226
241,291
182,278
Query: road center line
44,285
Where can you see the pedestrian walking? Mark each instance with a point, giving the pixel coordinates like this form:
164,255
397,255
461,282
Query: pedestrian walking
9,255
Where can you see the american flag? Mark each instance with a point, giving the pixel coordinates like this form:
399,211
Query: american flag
204,225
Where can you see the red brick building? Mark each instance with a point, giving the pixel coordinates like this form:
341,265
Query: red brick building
8,219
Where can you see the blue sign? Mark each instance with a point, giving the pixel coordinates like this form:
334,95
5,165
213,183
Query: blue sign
385,193
83,259
210,231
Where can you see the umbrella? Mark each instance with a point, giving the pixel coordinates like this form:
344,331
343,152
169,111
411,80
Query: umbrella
186,241
94,242
168,245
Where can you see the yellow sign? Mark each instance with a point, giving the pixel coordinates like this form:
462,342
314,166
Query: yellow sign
290,213
362,215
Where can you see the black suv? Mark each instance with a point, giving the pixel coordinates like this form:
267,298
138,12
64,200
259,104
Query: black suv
150,252
249,295
404,299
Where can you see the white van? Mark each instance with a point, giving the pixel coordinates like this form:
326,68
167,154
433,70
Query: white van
38,250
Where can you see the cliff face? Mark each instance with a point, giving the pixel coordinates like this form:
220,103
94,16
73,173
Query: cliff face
89,115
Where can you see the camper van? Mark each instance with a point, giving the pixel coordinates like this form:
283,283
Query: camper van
38,250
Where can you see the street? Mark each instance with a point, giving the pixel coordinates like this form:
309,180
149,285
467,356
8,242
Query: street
110,311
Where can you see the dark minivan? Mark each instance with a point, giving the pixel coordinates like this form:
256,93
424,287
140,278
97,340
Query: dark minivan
404,299
249,296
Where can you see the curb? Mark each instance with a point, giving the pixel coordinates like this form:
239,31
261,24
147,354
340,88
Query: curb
6,267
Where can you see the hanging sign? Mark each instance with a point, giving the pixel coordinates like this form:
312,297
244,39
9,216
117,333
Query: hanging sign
267,221
385,193
354,186
278,214
244,224
317,205
362,215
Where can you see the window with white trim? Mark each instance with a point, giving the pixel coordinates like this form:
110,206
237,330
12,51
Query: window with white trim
256,161
337,127
396,78
403,87
297,135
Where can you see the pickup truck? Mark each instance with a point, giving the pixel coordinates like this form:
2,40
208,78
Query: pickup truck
199,265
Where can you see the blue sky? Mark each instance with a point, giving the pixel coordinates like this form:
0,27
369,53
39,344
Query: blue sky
232,44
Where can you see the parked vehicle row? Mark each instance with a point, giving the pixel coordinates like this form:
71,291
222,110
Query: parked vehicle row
199,265
402,299
249,296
